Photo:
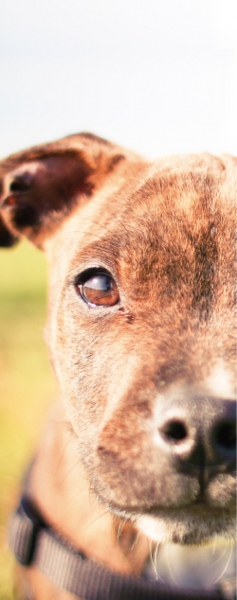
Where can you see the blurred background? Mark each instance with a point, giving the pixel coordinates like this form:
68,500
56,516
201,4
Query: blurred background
158,76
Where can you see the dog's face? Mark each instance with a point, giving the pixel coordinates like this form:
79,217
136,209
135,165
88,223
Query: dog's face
141,323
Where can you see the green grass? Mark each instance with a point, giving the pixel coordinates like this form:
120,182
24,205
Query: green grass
26,381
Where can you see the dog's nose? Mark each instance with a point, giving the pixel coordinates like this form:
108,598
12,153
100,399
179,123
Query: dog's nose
201,432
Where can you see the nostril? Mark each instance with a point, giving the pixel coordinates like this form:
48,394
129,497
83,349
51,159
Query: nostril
226,436
174,431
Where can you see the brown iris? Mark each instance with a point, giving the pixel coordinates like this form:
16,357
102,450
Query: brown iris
97,288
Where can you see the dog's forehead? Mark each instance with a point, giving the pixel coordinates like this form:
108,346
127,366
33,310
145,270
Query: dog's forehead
174,211
171,218
170,196
186,187
171,213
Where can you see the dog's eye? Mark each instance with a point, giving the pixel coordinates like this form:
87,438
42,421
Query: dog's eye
97,288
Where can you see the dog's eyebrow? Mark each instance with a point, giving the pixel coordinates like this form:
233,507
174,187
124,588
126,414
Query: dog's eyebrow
102,252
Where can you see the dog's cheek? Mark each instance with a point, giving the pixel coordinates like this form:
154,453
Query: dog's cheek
99,371
91,364
110,399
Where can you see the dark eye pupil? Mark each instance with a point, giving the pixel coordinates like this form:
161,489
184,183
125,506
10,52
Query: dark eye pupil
99,290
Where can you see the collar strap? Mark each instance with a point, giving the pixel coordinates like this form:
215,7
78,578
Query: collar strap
34,542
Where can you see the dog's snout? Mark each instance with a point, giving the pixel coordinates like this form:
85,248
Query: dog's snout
200,433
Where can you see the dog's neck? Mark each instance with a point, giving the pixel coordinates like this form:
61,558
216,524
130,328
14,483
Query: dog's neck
60,489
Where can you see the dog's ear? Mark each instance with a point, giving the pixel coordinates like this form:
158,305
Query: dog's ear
40,186
6,238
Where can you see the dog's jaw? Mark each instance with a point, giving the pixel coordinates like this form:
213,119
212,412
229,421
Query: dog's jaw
186,528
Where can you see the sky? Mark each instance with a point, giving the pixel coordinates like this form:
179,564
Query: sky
158,76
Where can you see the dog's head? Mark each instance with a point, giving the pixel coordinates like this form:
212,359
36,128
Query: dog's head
141,322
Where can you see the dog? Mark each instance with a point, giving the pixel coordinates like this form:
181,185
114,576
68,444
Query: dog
139,455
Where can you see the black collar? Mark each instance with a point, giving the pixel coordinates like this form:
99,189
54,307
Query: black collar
34,542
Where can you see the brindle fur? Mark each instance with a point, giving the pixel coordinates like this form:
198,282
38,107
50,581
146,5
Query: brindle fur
165,230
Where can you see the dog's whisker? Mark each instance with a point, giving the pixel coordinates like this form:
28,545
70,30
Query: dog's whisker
122,223
136,540
226,566
72,499
93,222
94,500
120,529
169,566
155,565
69,472
89,234
214,546
99,517
218,559
62,457
153,556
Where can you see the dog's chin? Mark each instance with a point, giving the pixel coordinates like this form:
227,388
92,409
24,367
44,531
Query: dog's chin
184,529
195,525
190,547
187,554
